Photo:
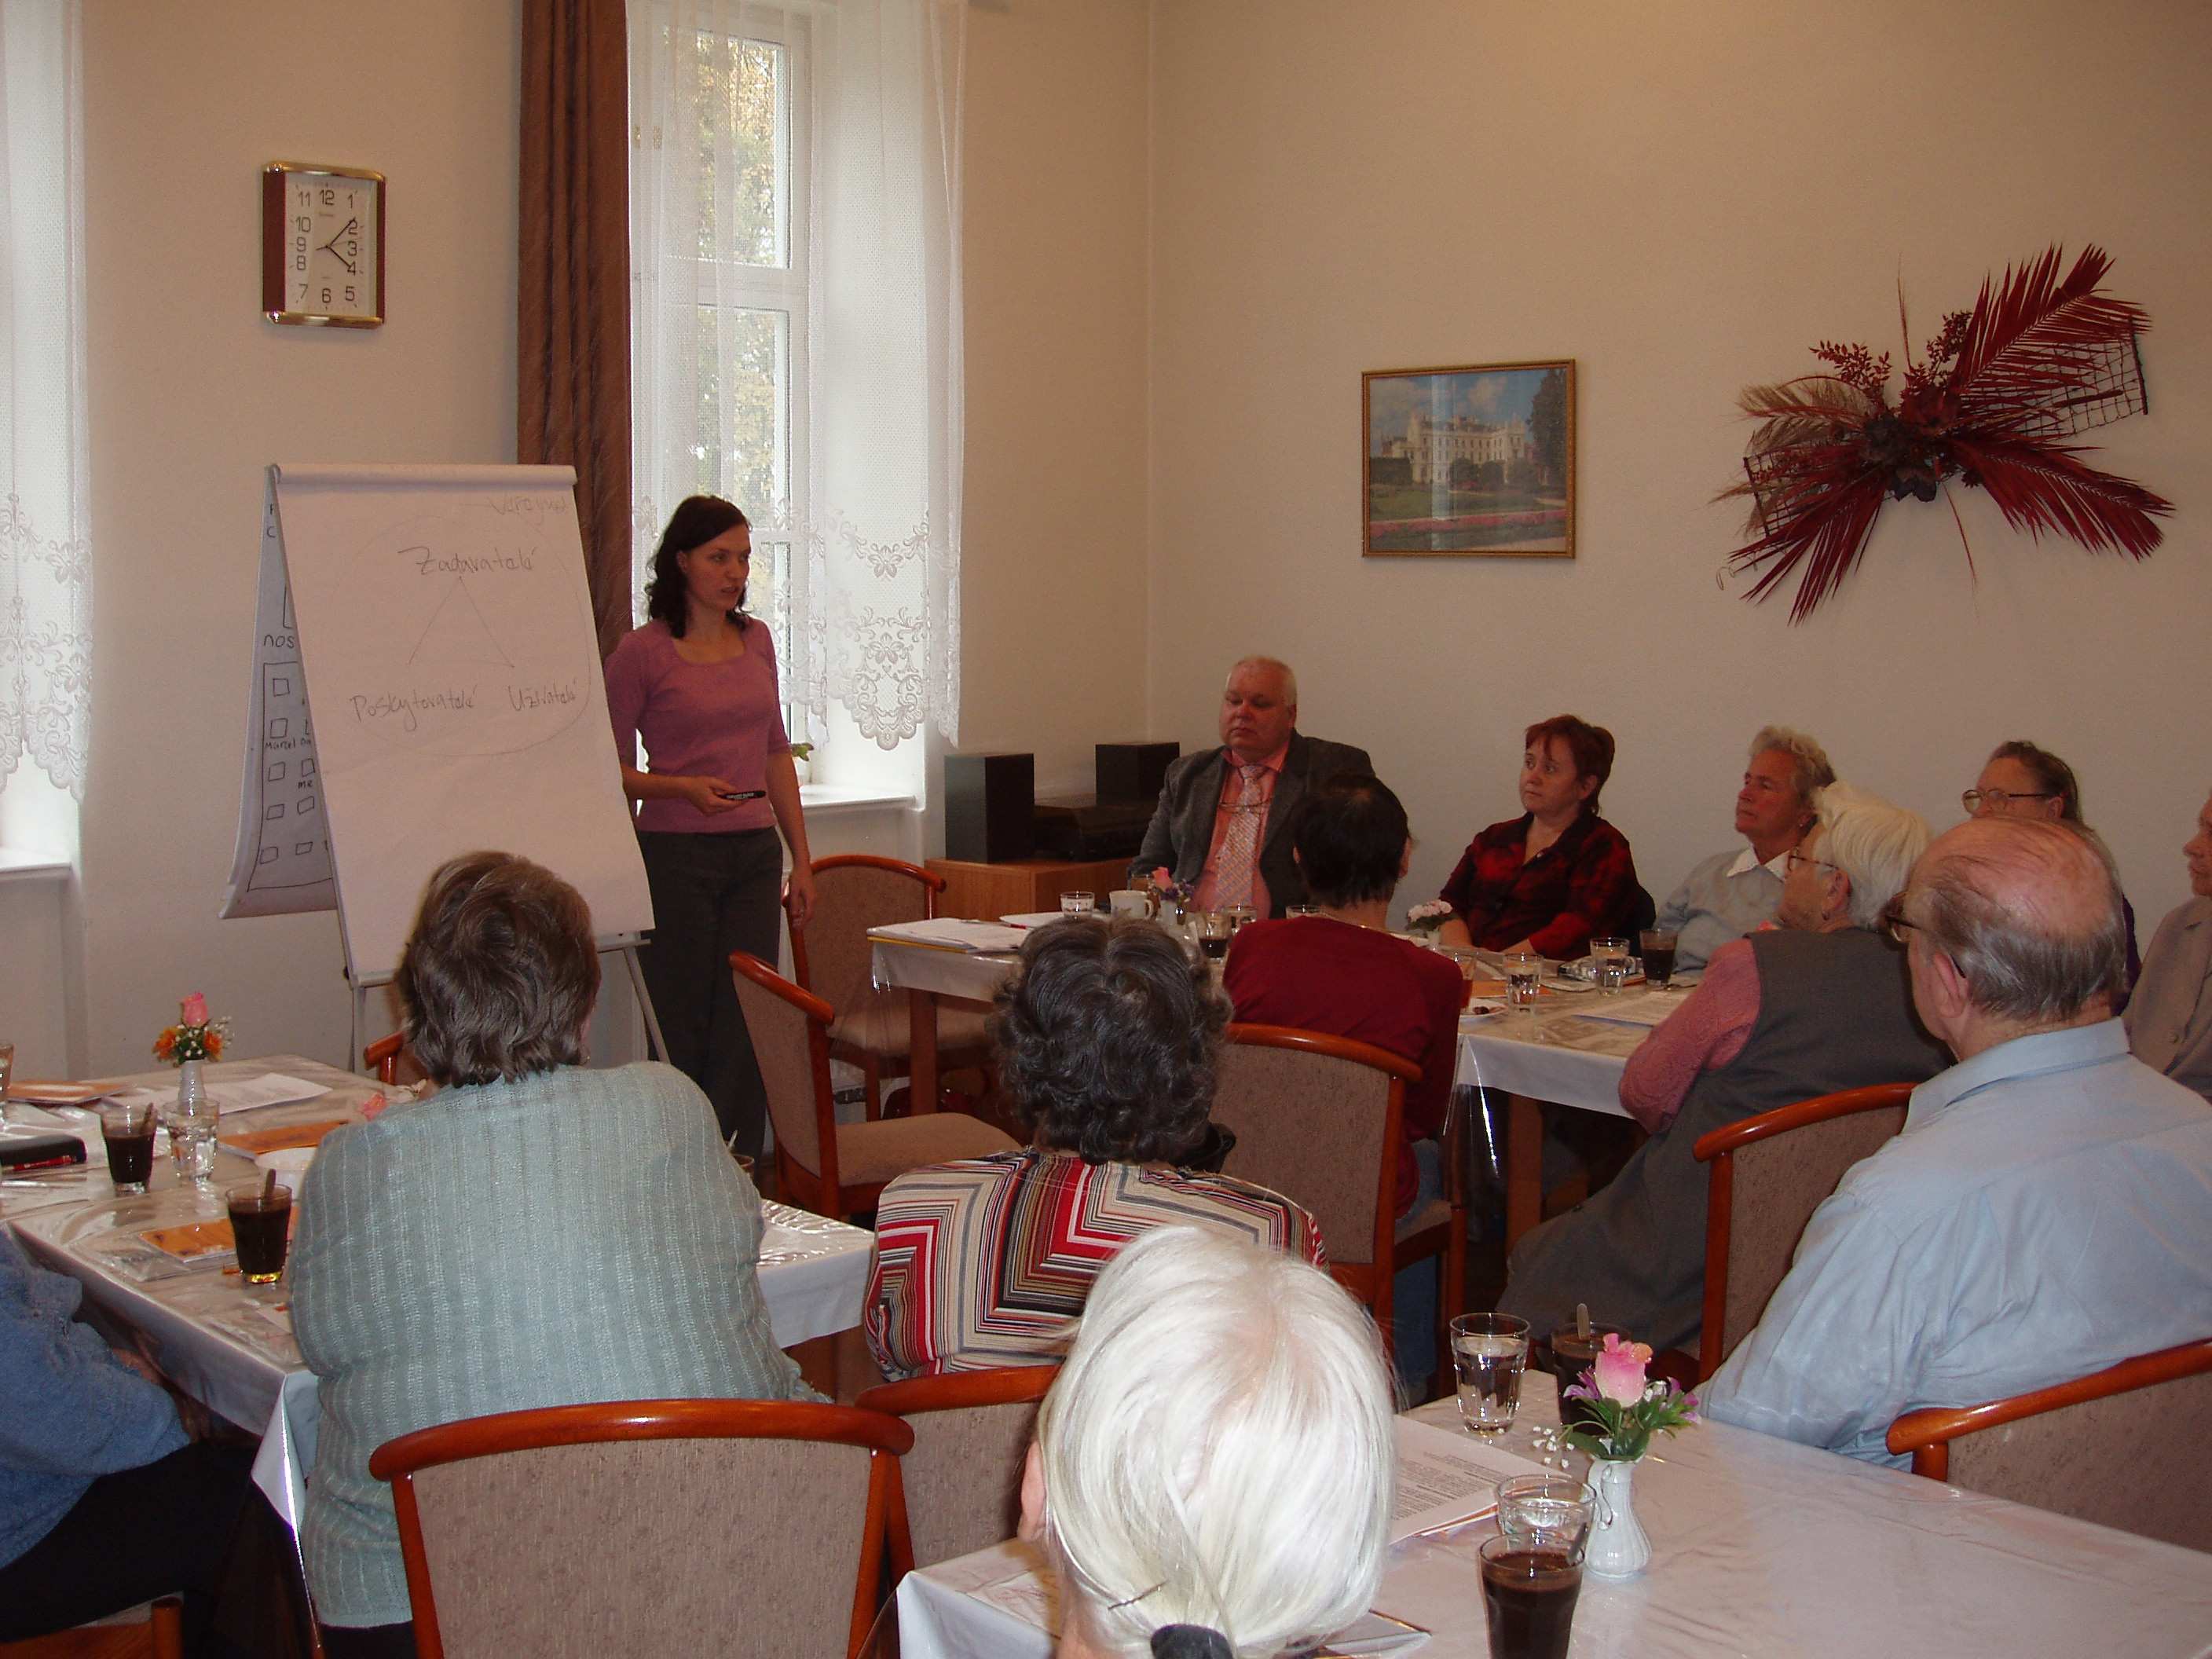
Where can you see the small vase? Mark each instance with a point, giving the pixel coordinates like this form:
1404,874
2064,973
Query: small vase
1618,1547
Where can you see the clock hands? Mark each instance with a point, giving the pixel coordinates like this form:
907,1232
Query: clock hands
331,248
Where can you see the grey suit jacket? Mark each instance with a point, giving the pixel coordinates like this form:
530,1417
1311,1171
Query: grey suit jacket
2169,1019
1182,830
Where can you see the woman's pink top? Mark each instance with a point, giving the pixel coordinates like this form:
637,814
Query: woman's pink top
722,719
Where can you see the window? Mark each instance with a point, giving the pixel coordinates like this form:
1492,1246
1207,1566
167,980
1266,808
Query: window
720,344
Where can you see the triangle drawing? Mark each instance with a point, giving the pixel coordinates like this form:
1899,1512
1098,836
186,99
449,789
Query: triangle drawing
458,632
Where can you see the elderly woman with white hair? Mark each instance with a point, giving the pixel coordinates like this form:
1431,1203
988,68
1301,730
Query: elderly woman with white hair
1725,897
1818,1003
1212,1471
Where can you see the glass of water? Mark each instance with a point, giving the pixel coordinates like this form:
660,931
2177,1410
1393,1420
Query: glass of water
1076,904
1301,910
1489,1351
1546,1511
1524,970
1608,963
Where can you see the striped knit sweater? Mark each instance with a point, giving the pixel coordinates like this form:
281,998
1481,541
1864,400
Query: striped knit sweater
577,1236
988,1261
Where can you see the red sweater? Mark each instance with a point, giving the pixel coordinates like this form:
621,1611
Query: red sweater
1321,975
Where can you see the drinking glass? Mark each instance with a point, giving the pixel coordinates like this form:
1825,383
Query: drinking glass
1524,972
1608,962
261,1225
1489,1351
1470,969
127,1130
7,1076
1239,914
1657,947
1076,904
1573,1352
1302,909
1213,929
1528,1598
1546,1511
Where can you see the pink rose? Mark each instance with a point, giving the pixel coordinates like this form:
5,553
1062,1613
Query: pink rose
195,1009
1162,877
1620,1370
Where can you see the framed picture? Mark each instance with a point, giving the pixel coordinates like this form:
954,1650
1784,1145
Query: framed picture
1469,462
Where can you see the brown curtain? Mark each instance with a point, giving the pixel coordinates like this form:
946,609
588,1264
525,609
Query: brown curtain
573,344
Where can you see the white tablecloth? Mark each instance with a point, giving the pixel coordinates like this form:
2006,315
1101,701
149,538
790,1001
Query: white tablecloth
1561,1055
949,973
231,1348
1762,1546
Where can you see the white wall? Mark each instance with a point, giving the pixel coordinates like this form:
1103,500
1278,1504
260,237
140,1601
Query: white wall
1684,198
192,394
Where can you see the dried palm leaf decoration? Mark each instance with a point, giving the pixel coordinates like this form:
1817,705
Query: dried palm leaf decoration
1999,392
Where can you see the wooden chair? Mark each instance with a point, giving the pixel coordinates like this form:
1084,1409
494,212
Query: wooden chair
155,1631
829,956
1784,1162
963,1479
669,1526
2102,1448
1317,1119
833,1168
382,1057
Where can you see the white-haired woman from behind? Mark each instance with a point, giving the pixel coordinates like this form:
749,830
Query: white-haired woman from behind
1213,1470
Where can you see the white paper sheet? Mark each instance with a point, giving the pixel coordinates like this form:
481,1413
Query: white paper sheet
1645,1008
949,933
232,1094
1445,1476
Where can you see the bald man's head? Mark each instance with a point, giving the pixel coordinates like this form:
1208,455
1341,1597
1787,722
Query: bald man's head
2029,912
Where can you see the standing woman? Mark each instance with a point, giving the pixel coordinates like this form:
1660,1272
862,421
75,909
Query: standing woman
698,683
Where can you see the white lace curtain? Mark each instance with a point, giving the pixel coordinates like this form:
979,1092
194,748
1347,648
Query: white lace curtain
800,351
45,565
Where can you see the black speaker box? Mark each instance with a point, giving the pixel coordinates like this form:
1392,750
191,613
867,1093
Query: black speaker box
1133,771
987,799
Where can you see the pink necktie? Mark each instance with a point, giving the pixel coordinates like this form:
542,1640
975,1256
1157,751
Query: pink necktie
1240,843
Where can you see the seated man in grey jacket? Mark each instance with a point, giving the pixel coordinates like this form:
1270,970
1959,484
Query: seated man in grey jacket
1223,820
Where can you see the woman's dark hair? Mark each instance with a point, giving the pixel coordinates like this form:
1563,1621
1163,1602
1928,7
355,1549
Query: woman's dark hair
501,971
1107,1036
696,521
1350,836
1590,746
2050,772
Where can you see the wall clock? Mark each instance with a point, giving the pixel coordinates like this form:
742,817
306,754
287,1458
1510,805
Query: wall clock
322,244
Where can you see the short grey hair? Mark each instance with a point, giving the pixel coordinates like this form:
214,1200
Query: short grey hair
1807,758
1218,1450
2018,963
1290,675
1873,842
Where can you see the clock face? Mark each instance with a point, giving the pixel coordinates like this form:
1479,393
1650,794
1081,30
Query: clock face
322,240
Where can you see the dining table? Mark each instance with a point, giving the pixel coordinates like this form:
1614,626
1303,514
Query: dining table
229,1346
1760,1546
1569,1050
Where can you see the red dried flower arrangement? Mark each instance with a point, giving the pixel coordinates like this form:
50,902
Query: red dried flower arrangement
1999,390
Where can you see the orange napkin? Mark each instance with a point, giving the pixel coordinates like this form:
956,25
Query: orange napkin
193,1239
282,1137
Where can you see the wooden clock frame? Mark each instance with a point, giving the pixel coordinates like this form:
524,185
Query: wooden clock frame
275,177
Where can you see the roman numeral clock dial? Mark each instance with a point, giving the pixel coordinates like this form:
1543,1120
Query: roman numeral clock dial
322,244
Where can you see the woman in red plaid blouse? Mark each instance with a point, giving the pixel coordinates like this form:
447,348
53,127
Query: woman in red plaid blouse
1550,880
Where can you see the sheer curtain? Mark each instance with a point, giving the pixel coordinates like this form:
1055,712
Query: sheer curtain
794,246
45,564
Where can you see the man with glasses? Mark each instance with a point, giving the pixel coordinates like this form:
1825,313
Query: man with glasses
1814,1005
2047,1209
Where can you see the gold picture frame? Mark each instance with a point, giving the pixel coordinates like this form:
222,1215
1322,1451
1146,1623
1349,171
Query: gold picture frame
1475,461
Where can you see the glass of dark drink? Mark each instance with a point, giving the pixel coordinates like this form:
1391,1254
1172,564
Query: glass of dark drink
1574,1352
261,1222
129,1133
1213,932
1529,1594
1658,951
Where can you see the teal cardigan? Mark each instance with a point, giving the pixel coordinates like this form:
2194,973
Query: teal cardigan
577,1236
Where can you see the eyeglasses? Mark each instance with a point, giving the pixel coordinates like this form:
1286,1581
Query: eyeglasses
1895,924
2001,799
1793,857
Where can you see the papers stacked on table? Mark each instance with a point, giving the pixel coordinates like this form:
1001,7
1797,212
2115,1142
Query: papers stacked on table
232,1094
1445,1479
947,933
1645,1008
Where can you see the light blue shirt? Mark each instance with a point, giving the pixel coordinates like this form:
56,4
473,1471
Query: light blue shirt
2045,1212
1723,898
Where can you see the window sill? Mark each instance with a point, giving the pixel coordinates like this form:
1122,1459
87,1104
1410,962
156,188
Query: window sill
16,866
830,797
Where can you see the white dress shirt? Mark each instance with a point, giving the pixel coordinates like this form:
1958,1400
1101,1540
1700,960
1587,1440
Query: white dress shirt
1723,898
